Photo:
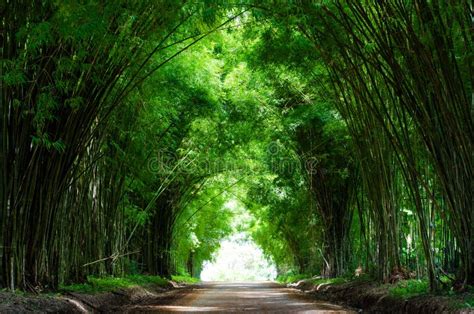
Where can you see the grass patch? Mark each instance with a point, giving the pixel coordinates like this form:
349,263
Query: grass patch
185,279
469,302
103,284
464,300
291,278
329,281
409,288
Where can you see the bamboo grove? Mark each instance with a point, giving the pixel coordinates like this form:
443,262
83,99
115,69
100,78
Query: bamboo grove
343,128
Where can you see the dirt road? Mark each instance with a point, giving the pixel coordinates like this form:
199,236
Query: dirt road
261,297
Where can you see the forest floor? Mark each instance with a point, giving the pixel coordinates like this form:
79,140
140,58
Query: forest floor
373,297
256,297
305,296
90,302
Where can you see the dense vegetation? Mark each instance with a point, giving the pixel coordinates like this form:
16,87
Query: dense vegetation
344,128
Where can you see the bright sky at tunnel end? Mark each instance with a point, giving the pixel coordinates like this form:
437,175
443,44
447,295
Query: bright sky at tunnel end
238,259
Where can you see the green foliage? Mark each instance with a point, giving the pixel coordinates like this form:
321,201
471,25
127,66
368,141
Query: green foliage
104,284
468,302
291,277
131,127
330,281
185,279
463,300
409,288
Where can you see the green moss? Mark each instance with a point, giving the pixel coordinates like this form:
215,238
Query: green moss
409,288
185,279
102,284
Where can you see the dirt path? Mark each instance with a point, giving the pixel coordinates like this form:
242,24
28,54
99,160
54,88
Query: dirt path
261,297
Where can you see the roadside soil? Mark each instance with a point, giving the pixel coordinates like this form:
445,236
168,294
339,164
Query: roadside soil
87,303
214,297
375,298
261,297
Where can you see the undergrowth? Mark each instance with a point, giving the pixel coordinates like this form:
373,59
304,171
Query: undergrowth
466,299
185,279
327,281
469,302
103,284
409,288
291,277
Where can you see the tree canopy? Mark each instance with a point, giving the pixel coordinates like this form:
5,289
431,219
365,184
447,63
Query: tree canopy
345,129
